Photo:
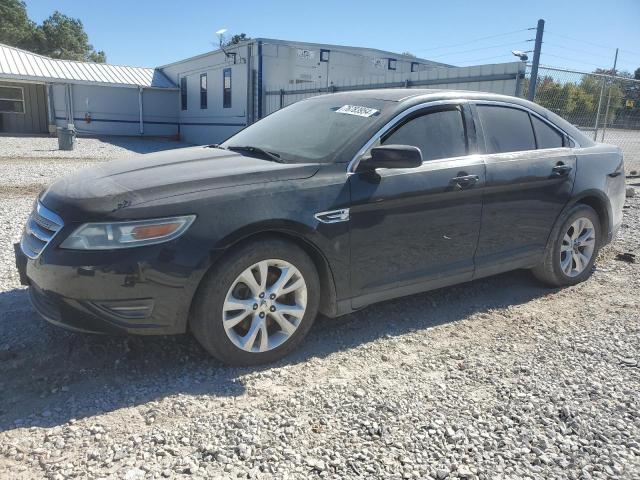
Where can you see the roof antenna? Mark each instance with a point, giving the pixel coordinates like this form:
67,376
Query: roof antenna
220,33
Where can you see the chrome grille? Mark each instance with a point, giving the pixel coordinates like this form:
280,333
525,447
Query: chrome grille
41,227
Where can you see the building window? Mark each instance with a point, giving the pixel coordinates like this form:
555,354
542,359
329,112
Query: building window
391,64
415,66
203,91
226,88
324,55
11,100
183,93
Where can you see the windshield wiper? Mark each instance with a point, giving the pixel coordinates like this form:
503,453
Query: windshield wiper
257,150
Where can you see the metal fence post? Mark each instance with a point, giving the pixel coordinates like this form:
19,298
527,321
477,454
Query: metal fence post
606,111
595,128
281,97
533,79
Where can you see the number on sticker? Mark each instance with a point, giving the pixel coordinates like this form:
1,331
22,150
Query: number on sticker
357,110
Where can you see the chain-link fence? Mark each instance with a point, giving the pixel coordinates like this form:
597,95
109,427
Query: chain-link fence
606,107
505,78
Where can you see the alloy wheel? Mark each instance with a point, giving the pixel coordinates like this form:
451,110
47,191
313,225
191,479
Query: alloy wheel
578,245
264,305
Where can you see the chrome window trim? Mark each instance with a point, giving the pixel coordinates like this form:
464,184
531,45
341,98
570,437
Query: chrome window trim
353,164
501,103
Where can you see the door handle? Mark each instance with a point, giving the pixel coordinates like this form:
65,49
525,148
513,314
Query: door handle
465,181
561,170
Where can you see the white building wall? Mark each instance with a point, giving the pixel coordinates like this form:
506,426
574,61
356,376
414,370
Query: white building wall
101,110
215,123
292,64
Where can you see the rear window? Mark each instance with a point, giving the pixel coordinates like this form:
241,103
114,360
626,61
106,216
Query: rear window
506,129
546,136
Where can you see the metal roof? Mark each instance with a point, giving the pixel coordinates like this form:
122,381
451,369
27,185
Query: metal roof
17,64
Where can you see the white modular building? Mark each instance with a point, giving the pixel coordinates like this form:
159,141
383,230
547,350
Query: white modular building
209,97
224,90
38,93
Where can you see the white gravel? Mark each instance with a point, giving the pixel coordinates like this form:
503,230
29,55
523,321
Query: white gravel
495,379
28,163
96,148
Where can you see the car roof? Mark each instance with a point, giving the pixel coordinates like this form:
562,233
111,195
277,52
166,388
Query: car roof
406,97
422,94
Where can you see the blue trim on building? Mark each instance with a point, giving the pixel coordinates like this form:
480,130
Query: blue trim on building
215,124
259,79
150,122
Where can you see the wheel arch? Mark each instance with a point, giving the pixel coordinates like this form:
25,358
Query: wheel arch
293,232
600,203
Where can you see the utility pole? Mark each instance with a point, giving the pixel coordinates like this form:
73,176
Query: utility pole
606,110
536,60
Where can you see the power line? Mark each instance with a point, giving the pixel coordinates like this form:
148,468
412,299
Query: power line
591,54
473,40
599,45
574,60
485,58
475,49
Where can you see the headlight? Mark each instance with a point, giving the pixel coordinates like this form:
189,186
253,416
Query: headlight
107,235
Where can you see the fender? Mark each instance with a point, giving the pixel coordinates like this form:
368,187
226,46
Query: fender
305,237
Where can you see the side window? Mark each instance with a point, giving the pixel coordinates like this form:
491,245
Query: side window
226,88
546,136
203,91
183,93
437,134
506,129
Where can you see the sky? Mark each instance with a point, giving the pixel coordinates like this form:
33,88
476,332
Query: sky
579,34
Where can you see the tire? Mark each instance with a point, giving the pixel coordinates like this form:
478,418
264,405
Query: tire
560,248
281,317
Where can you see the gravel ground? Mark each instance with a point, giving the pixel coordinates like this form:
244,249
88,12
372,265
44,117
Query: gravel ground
96,148
28,163
495,379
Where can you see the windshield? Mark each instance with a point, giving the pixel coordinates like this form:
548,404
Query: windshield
312,130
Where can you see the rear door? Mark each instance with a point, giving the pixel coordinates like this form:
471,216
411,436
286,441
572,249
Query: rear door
530,173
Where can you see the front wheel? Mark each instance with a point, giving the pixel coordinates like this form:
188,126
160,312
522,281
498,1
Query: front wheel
257,304
573,248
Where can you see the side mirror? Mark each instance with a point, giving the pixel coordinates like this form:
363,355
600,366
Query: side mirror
393,156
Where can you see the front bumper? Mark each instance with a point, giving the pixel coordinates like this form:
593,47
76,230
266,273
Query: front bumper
146,290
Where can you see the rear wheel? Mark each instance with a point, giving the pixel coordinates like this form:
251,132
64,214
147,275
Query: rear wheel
573,248
257,304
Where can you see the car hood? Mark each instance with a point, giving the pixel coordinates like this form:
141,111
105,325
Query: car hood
99,190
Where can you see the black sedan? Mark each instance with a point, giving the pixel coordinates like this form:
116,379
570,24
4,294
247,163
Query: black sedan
328,205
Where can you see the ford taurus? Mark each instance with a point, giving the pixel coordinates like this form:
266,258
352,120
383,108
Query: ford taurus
328,205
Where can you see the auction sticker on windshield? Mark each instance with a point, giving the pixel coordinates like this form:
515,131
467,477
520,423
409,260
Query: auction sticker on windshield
357,110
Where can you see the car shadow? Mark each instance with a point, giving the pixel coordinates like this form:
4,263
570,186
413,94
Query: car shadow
49,376
146,144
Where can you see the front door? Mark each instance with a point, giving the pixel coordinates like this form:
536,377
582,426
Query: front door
530,174
415,229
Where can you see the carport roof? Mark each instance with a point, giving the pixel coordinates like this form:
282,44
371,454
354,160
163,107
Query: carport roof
17,64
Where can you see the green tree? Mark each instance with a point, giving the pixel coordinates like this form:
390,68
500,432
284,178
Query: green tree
64,37
237,38
59,36
636,74
15,27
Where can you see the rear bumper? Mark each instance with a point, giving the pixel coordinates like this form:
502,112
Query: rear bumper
144,291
